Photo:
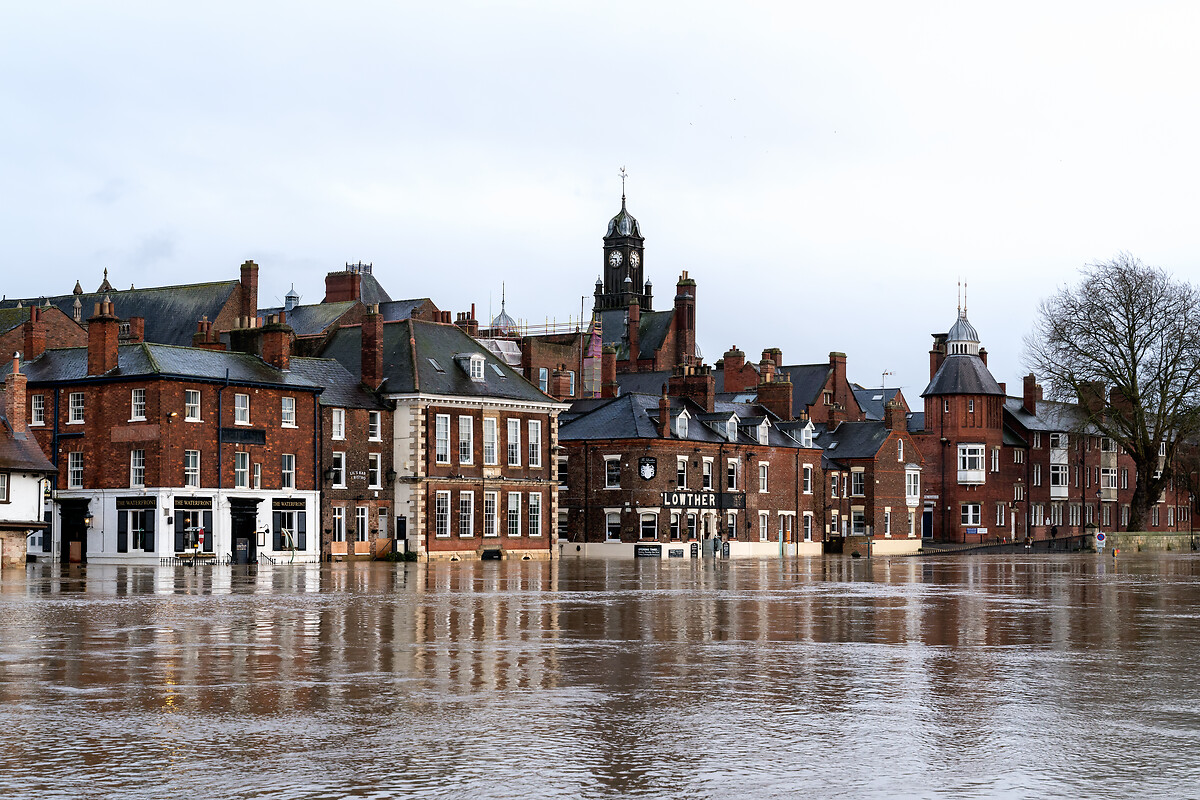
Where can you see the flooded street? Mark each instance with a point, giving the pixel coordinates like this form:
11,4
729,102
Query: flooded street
982,676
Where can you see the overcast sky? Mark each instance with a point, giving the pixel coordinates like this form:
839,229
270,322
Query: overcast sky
827,172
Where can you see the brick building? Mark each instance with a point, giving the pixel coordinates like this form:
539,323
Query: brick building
24,473
38,327
677,474
472,440
155,445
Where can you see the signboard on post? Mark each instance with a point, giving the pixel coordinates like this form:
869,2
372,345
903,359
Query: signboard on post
1100,540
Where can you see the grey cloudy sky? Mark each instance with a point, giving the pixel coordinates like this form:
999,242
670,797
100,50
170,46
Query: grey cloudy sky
827,172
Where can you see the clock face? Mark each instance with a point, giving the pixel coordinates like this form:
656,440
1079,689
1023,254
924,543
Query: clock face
614,258
634,260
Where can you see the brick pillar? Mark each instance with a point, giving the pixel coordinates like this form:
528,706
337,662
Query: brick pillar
277,341
633,330
249,305
664,416
608,371
734,363
372,348
14,397
102,339
35,334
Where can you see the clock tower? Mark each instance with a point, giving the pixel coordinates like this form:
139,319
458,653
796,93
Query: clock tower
624,276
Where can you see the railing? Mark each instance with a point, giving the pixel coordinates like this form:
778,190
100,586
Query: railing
267,558
187,561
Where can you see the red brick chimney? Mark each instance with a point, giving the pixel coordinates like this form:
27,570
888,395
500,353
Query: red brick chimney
14,396
608,371
894,416
841,389
560,383
341,286
937,354
277,341
137,330
664,416
372,348
738,377
249,307
1030,393
633,330
35,334
467,322
1091,396
776,355
205,337
983,355
102,338
773,393
685,320
695,383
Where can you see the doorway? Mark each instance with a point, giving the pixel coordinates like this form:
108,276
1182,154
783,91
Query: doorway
242,523
72,514
927,523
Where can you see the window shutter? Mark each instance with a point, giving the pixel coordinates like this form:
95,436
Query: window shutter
208,532
180,524
301,533
277,530
148,538
122,532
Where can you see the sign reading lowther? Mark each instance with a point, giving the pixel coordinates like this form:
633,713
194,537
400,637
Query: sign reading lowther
725,501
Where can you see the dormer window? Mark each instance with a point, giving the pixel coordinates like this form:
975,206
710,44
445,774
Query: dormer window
762,432
806,435
472,364
681,425
731,430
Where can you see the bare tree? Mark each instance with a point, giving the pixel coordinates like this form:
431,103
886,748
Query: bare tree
1124,343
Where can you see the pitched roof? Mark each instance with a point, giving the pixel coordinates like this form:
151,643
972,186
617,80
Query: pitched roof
1051,415
624,417
171,312
147,359
342,390
652,330
872,401
852,439
962,374
916,421
419,356
20,452
313,319
395,310
643,382
371,291
11,318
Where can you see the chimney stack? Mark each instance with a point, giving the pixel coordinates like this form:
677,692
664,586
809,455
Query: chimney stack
205,337
695,383
137,330
277,341
774,392
608,371
372,348
937,353
738,377
35,334
664,415
102,338
894,417
1030,394
249,289
841,389
685,320
633,330
560,383
14,397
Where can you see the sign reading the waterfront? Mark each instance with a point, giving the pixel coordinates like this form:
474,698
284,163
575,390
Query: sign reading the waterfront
289,504
193,502
137,502
647,467
647,551
703,500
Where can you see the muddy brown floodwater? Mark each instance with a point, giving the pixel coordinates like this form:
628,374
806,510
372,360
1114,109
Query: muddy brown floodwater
987,676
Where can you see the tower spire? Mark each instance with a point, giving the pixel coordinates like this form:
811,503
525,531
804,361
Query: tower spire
623,176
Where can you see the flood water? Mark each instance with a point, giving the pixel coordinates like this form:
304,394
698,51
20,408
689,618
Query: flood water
985,676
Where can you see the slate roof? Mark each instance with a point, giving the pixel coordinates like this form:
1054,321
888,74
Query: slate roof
314,319
146,359
652,330
342,390
395,310
851,439
11,318
19,452
1051,415
432,342
624,417
962,374
916,421
371,291
867,401
643,382
171,312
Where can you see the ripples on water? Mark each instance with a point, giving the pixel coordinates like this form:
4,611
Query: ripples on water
974,677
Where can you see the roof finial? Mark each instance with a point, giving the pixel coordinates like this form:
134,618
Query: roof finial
624,175
502,293
960,299
964,311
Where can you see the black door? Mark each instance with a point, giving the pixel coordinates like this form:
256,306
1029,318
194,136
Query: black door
244,539
927,524
74,532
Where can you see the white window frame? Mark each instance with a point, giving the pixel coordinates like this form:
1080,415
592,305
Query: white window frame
287,470
75,408
362,529
535,443
374,470
808,526
191,471
287,412
971,462
137,405
37,409
374,426
466,515
338,524
441,514
858,483
337,463
241,469
609,518
764,526
513,441
731,474
466,440
491,510
543,379
608,472
647,521
337,424
900,450
807,480
763,475
706,474
137,468
534,527
256,480
491,436
970,515
681,464
191,405
513,515
241,409
75,469
441,438
912,487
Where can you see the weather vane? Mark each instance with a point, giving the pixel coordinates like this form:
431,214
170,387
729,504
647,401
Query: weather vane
623,176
